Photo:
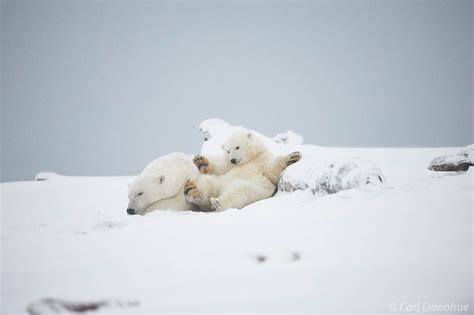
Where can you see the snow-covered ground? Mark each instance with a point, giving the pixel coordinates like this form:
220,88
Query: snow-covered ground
368,249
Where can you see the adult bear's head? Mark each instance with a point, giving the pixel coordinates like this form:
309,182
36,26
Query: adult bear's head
162,179
144,191
242,147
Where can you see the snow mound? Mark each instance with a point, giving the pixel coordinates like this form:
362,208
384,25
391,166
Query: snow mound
323,178
452,163
47,176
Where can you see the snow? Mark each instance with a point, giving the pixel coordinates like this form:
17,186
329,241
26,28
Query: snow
359,250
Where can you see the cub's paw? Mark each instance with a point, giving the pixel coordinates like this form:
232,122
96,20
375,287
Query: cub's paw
191,193
216,204
202,163
293,158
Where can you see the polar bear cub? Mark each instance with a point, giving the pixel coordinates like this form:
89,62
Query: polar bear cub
246,172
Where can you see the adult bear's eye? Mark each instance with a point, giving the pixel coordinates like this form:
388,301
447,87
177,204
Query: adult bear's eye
139,194
237,147
228,151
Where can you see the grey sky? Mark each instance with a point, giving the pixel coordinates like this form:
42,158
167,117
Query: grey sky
102,88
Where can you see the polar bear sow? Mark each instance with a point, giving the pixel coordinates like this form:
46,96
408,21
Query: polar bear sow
160,185
246,172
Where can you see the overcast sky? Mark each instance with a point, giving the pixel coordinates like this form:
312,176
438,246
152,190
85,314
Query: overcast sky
104,87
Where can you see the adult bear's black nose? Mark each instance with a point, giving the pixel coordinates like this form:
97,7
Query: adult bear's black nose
130,211
234,161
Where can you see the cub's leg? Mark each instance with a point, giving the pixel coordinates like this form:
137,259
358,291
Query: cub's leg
293,158
219,204
199,191
193,195
242,193
274,170
212,164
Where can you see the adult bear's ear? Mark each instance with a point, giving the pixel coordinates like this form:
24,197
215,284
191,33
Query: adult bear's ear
160,179
249,135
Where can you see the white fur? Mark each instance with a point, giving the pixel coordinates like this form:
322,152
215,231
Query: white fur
161,184
245,172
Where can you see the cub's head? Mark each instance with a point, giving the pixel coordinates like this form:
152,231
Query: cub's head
144,191
241,147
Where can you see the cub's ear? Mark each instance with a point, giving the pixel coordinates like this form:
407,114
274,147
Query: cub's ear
160,179
129,185
249,135
223,148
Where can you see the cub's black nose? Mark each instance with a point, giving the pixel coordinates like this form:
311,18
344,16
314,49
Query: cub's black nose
130,211
234,161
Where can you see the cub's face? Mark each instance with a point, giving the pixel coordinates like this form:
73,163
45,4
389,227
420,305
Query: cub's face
144,191
239,148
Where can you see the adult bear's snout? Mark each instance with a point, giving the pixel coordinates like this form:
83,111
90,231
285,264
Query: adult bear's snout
130,211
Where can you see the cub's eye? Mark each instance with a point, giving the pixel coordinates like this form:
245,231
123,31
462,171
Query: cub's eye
228,151
237,147
139,194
